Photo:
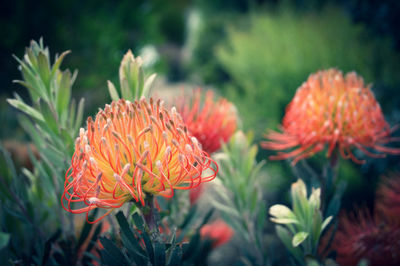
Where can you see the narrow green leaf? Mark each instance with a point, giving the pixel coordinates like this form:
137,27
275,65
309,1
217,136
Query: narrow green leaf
79,115
299,238
140,82
128,234
57,63
4,238
148,85
138,220
26,109
159,254
176,257
111,254
49,116
44,70
285,237
113,92
63,93
192,247
326,222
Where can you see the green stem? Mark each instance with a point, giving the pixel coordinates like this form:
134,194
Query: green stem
151,218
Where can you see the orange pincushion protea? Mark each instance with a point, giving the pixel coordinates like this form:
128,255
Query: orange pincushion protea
335,110
212,122
130,150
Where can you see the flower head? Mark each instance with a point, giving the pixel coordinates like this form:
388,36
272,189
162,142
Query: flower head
218,231
130,150
366,237
211,122
388,198
334,110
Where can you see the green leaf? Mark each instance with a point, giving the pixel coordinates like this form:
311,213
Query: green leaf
44,70
326,222
285,237
113,92
4,238
281,211
63,94
26,109
129,237
138,220
159,254
49,116
57,63
140,82
148,85
192,247
111,254
176,257
79,115
299,238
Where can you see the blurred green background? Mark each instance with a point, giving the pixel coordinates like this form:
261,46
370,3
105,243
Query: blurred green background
255,53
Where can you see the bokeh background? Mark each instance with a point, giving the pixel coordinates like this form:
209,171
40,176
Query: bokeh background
255,53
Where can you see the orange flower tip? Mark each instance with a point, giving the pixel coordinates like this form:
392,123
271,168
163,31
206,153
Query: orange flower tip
130,150
334,110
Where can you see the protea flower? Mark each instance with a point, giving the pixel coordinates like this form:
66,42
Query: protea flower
388,198
211,121
336,111
218,231
132,150
366,237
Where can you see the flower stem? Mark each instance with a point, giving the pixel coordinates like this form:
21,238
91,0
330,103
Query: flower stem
151,218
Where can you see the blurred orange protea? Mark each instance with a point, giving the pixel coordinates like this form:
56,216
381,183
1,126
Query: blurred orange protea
130,150
218,231
388,198
366,237
334,110
211,122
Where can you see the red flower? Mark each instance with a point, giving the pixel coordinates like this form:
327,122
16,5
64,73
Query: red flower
388,198
130,150
218,231
366,237
211,122
332,110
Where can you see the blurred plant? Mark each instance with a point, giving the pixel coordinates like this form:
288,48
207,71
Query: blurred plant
131,152
133,84
388,198
295,45
141,247
211,121
30,236
304,223
365,236
334,110
52,123
241,203
218,232
140,139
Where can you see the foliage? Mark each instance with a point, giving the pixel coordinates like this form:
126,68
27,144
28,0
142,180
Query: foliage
273,56
52,122
242,204
304,222
131,78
